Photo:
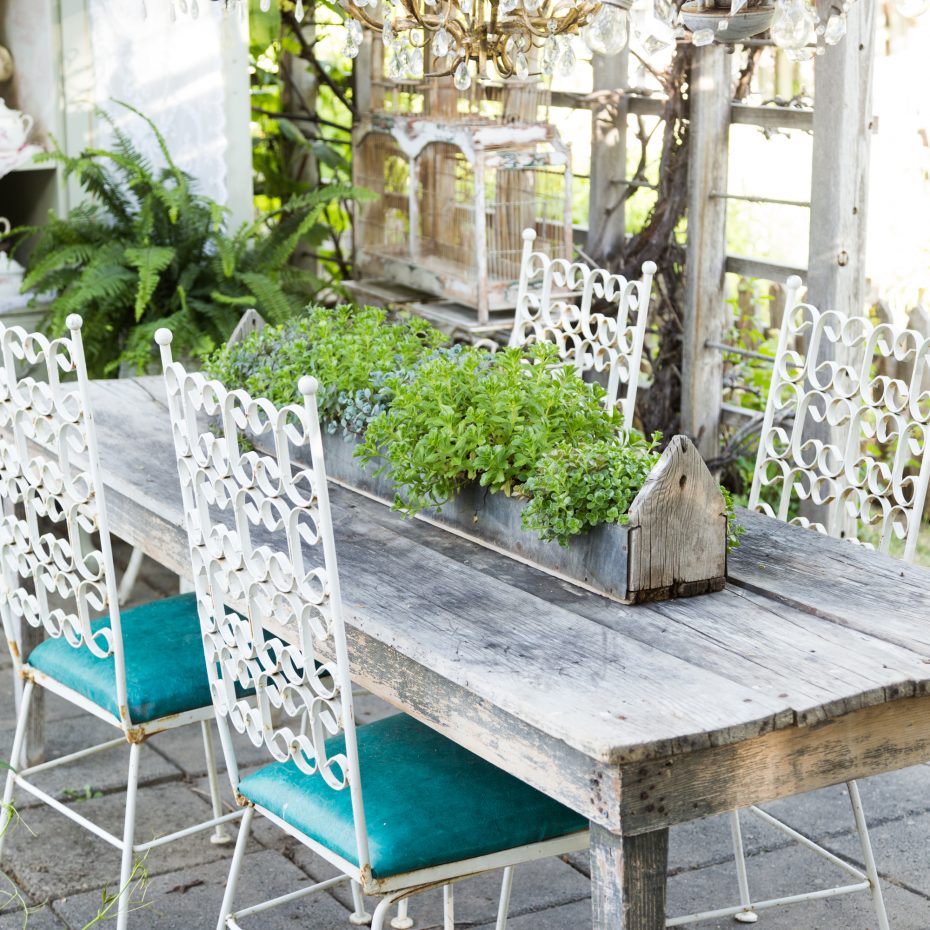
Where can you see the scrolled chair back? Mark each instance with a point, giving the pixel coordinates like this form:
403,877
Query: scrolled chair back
563,303
57,563
261,540
846,427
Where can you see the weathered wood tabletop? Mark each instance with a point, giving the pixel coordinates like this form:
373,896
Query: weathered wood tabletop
811,668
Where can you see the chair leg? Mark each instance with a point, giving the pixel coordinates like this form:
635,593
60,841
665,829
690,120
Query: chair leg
129,832
359,917
221,836
402,921
448,907
504,907
235,867
16,758
875,888
381,911
747,915
130,576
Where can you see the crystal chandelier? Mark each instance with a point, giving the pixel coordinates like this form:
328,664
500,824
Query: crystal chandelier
801,28
795,26
514,36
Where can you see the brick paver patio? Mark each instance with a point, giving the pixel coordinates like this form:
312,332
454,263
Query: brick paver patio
59,870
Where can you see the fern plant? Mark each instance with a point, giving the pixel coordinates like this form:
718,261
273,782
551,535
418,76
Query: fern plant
147,250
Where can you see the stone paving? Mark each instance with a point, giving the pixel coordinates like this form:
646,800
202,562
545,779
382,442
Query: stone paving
57,872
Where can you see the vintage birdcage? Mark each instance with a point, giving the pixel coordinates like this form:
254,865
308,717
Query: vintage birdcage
455,190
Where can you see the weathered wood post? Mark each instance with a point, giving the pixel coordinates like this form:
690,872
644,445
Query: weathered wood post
709,134
843,123
606,213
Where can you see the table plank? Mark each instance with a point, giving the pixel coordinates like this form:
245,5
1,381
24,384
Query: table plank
849,584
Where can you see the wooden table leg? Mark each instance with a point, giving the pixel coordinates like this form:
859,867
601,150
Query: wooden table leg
628,879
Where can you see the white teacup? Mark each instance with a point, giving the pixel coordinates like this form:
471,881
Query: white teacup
15,127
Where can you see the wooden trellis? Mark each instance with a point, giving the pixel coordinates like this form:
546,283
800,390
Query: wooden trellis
841,123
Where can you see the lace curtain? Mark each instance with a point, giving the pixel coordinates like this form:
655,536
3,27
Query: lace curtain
173,73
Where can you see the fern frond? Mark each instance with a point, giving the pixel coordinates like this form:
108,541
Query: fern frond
68,257
150,261
270,299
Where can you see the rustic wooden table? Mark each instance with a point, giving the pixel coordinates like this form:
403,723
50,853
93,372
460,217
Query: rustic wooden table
811,668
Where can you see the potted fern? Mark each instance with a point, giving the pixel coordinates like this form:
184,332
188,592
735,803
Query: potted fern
147,250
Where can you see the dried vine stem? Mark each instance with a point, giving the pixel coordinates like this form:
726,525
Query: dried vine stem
659,407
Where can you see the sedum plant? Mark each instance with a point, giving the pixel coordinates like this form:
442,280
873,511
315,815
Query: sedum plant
470,415
576,487
147,250
347,349
435,417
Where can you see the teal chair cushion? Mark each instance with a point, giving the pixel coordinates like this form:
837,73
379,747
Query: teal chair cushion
427,801
166,671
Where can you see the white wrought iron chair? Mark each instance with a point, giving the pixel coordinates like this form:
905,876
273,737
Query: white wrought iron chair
140,670
830,400
557,301
264,561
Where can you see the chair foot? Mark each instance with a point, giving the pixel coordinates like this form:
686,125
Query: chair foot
130,576
127,871
747,915
448,907
868,857
402,921
226,908
221,837
7,813
503,907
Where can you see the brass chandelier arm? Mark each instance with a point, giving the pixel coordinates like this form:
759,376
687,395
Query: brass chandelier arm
360,14
470,34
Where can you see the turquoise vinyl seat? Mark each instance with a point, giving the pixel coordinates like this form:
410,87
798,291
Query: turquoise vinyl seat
427,801
165,669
